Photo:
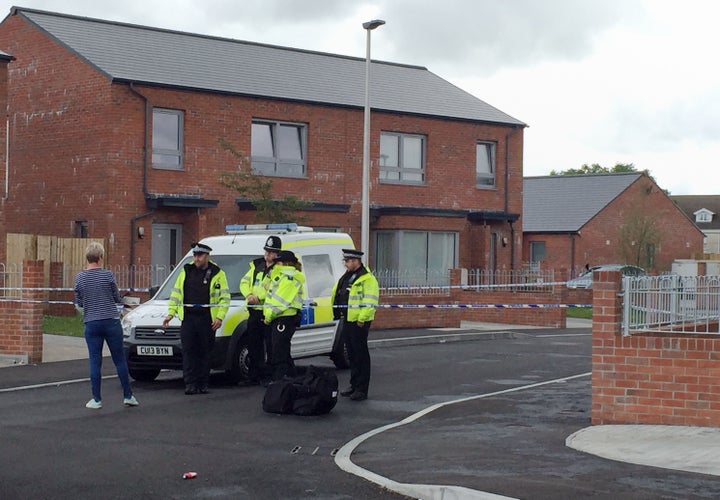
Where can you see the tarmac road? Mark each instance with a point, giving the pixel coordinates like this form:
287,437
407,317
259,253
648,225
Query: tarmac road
521,394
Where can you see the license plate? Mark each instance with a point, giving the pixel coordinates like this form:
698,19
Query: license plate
155,350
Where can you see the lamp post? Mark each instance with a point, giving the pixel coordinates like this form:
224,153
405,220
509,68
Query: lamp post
365,219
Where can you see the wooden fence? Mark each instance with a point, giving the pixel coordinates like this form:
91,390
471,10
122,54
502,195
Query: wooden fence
69,251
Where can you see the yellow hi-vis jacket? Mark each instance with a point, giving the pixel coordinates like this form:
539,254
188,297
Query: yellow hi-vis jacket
254,283
286,293
363,298
219,294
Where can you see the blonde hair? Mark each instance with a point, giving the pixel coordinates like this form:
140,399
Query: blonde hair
94,251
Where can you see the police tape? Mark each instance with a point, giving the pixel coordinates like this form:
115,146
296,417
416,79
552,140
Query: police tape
354,306
382,289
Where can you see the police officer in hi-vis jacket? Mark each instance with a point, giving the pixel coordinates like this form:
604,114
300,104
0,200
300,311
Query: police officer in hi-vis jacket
354,298
254,286
283,305
200,299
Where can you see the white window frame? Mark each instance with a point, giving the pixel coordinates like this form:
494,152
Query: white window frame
271,162
402,172
703,215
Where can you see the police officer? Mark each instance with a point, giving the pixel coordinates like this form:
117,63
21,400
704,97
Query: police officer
254,286
355,297
199,284
283,304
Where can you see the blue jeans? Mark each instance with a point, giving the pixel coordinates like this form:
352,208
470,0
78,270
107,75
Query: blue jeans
110,331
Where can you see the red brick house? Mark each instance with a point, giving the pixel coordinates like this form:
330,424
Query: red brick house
113,133
573,220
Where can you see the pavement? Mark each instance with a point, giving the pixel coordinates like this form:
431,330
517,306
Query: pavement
678,448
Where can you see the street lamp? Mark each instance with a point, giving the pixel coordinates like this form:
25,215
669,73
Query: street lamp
365,220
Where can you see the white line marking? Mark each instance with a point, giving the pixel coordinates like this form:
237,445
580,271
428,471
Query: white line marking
52,384
426,491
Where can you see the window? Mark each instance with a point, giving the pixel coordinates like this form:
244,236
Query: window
278,148
703,215
537,254
415,258
485,164
81,229
402,158
167,139
318,274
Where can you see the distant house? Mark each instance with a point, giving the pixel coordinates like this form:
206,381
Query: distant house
705,211
113,133
570,221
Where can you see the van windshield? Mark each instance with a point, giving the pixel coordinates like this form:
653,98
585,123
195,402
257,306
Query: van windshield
235,267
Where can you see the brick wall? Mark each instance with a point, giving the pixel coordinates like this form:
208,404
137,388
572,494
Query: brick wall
387,318
649,378
21,331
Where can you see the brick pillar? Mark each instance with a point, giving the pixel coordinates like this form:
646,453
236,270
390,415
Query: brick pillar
606,338
30,320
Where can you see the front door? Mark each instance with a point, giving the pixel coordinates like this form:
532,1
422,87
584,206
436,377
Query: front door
166,250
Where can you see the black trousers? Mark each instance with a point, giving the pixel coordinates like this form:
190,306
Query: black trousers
256,328
198,340
282,330
356,338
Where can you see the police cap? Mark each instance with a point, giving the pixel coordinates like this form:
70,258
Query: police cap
200,248
273,244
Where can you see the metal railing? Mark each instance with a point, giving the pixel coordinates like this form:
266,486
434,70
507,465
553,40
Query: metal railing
413,282
529,279
671,303
10,280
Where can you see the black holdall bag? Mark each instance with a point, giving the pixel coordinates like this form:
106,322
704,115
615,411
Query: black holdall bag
317,391
280,396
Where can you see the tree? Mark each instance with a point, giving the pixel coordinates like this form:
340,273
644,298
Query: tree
596,168
638,238
259,190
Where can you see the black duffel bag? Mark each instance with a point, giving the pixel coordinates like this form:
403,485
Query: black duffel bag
317,391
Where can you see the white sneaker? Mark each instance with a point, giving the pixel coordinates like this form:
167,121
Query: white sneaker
131,401
93,405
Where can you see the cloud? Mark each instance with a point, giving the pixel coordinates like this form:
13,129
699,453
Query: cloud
483,36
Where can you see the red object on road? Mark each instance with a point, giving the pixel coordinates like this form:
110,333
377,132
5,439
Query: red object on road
190,475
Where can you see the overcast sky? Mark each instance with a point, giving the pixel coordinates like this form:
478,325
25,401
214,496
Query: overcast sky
597,81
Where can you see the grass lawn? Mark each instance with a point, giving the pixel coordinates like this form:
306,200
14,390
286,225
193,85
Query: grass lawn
579,312
64,325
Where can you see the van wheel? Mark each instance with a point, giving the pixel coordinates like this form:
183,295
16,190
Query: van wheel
144,374
340,356
240,369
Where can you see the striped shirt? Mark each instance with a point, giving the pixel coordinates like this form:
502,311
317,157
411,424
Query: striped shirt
96,291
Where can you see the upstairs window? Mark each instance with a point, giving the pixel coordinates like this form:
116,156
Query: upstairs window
167,139
485,164
279,148
402,158
703,215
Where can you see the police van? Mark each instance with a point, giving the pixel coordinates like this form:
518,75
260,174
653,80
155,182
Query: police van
150,348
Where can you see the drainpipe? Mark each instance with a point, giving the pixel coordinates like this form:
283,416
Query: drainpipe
514,131
7,158
146,141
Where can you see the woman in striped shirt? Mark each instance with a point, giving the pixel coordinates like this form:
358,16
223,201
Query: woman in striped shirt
98,298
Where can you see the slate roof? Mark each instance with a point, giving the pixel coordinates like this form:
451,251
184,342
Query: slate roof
565,203
127,52
692,203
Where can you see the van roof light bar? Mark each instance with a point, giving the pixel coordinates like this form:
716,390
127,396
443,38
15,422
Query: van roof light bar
245,228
